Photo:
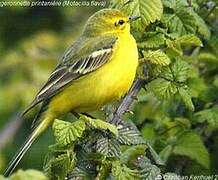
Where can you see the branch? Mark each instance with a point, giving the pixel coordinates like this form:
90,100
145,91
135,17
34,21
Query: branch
127,101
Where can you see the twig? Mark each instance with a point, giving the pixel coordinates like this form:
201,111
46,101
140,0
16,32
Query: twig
211,11
189,3
127,101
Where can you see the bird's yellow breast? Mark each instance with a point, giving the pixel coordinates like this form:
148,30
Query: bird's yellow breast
109,82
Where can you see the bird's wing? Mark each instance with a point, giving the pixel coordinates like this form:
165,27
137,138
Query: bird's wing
83,57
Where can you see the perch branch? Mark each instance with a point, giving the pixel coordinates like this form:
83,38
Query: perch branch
127,101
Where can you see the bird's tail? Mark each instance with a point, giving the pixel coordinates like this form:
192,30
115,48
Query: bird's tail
42,126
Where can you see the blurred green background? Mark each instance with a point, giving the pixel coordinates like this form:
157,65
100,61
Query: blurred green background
32,40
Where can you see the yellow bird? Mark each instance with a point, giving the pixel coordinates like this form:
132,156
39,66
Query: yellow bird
98,68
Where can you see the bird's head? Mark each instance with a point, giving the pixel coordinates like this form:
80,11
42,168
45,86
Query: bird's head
108,21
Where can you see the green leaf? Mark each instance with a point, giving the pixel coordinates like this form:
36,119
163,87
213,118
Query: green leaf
148,133
191,145
121,172
27,175
186,98
189,40
207,57
152,40
66,132
196,86
165,153
208,115
82,172
175,4
180,70
167,73
150,11
149,171
58,167
97,123
132,153
166,86
202,26
166,33
184,122
103,170
156,57
169,3
162,88
129,134
182,22
173,48
108,147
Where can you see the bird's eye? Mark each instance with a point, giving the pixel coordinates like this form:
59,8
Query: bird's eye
119,23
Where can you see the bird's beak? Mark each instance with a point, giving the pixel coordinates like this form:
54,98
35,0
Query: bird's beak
133,18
